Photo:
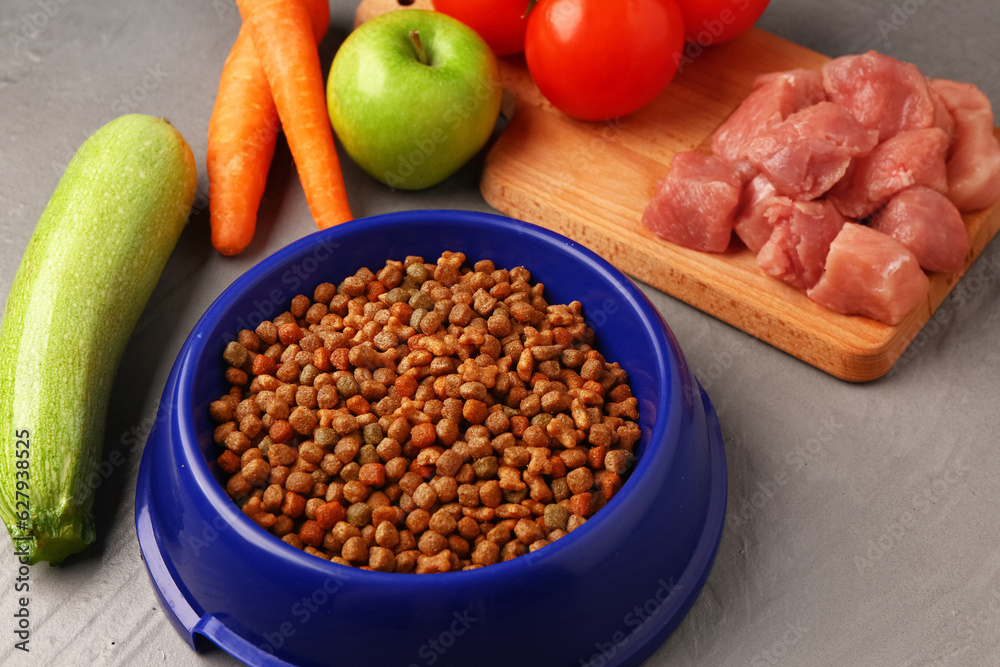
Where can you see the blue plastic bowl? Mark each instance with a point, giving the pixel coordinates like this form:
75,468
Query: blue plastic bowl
608,593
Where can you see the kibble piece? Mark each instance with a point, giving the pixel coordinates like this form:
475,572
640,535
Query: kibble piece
442,522
386,535
556,516
355,550
381,559
359,514
256,471
486,553
528,531
299,482
431,543
580,480
425,496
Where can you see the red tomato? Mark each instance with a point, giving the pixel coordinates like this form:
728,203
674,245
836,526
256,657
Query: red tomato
598,59
716,21
500,22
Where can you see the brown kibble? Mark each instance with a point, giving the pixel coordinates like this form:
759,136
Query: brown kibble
423,435
510,479
595,457
512,550
355,550
442,522
256,471
235,354
386,535
221,411
431,543
580,480
446,488
281,431
237,486
228,462
237,442
299,482
278,474
434,564
381,559
468,527
528,531
372,474
474,411
329,514
425,496
303,420
358,405
311,533
449,463
617,461
486,553
294,505
290,333
582,504
512,511
556,516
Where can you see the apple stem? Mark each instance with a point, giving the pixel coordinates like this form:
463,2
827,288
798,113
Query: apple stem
419,46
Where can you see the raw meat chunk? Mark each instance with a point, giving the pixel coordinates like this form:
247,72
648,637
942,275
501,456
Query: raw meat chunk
752,224
942,117
974,160
883,93
695,204
800,241
805,155
909,158
872,274
775,97
927,223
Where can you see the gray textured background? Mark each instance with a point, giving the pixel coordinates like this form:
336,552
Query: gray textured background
862,525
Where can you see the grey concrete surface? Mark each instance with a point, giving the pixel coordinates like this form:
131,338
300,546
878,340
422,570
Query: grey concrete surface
862,520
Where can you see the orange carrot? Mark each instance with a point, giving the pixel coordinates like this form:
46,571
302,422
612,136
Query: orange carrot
241,136
282,38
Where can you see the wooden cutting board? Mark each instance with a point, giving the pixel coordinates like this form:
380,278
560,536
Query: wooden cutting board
591,182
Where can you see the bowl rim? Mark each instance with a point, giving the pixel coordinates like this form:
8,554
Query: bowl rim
672,384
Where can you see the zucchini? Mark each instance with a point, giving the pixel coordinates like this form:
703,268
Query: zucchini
89,268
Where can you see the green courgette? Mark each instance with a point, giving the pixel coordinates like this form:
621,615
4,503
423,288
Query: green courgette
89,268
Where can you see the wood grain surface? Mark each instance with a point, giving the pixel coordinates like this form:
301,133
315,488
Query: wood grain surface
591,181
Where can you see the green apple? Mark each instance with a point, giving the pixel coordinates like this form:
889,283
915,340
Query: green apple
413,95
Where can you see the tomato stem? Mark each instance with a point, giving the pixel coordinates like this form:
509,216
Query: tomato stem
531,5
418,46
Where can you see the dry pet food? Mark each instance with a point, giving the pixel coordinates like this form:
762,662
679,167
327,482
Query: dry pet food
425,418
